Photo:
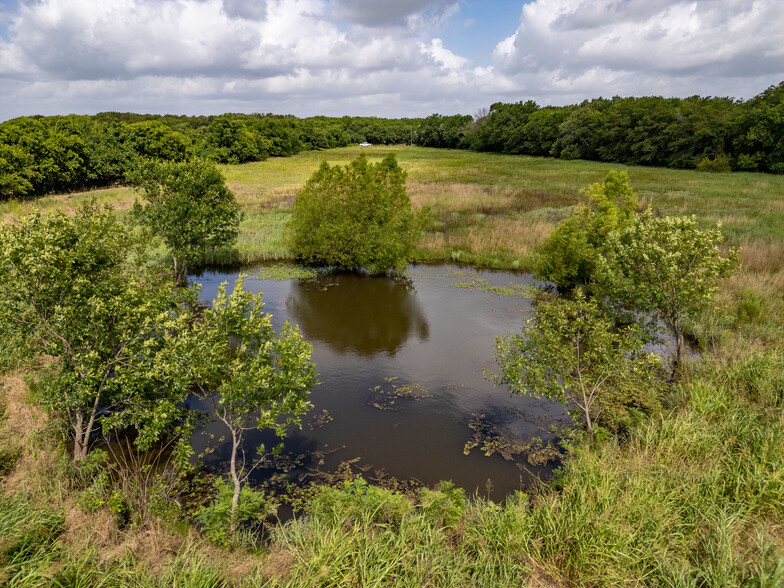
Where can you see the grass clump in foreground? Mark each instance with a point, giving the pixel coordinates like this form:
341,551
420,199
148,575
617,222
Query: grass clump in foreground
692,497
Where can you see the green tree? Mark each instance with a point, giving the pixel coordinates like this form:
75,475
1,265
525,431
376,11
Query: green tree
68,282
189,206
55,153
759,145
16,173
253,377
109,154
154,139
568,255
578,133
354,217
667,265
228,140
570,353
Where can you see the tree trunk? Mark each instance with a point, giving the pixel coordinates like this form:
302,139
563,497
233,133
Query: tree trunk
80,443
588,421
677,330
586,405
82,432
236,479
180,271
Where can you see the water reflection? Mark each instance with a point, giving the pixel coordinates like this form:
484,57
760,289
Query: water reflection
359,314
372,334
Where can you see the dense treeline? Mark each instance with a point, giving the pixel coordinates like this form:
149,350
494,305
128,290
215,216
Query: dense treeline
708,133
41,155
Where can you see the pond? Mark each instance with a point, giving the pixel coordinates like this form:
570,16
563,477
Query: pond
400,363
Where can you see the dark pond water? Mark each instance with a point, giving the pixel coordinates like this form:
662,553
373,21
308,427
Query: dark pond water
373,337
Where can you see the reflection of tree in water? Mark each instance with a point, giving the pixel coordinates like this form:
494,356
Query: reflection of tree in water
366,315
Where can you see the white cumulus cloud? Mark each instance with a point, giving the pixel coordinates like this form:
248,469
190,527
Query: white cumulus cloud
716,47
385,58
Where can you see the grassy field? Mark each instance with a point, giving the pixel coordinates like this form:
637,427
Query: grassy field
494,209
487,209
694,497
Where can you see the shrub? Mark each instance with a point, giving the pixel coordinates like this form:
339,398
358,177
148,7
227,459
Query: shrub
219,517
354,217
667,265
189,206
720,163
568,255
572,354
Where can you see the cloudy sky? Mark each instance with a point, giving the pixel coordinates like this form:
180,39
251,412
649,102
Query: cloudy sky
387,58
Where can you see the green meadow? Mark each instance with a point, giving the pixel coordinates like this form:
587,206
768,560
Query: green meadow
692,497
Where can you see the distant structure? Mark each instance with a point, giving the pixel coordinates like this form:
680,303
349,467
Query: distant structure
364,144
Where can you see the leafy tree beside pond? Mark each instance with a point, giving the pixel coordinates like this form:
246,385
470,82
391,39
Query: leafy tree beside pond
189,206
568,255
354,217
253,377
666,265
571,353
576,354
68,282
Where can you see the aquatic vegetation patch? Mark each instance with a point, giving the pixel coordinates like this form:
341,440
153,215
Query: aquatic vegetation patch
511,289
285,271
490,438
319,420
387,398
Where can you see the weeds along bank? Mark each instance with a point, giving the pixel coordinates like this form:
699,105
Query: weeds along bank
692,496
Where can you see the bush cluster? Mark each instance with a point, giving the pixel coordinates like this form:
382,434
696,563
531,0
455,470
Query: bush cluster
354,217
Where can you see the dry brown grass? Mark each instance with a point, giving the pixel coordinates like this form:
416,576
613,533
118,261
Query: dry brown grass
541,578
516,237
479,199
766,283
256,198
762,257
454,197
153,545
22,423
22,418
487,221
279,564
119,198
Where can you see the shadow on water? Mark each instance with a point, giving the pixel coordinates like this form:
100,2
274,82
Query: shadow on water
401,365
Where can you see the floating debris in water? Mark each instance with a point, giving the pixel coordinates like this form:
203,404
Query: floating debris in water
387,398
320,420
491,439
